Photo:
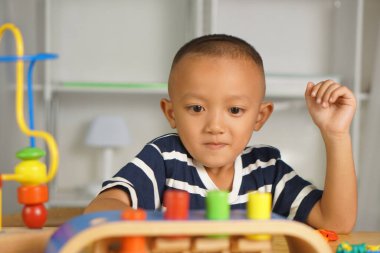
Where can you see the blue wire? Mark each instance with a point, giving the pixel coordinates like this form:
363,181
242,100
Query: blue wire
37,57
30,101
32,59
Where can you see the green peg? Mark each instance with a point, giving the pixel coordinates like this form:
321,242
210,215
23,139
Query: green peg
217,206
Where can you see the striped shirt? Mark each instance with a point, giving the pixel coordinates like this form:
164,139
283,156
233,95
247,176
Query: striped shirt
164,163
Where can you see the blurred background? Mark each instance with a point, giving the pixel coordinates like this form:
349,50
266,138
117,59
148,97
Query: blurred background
114,60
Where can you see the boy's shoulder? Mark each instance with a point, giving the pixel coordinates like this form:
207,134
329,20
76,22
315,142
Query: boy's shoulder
168,143
170,137
261,152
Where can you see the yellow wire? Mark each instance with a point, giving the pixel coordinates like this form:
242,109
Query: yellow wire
1,207
52,145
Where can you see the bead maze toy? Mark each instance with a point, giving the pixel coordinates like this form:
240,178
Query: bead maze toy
31,173
217,229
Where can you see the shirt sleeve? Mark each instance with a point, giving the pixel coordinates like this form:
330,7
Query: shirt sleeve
143,179
293,197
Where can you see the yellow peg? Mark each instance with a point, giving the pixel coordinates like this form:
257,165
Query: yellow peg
259,207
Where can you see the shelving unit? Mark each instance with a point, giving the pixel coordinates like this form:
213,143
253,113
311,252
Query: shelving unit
311,52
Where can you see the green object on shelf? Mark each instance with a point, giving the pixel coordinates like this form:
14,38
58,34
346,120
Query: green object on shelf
30,153
116,85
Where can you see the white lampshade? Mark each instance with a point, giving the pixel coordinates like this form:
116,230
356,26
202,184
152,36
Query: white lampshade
108,131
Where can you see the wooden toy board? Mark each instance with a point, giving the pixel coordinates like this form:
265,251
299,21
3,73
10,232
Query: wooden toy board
83,232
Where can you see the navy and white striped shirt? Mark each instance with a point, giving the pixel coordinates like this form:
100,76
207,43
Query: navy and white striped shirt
164,163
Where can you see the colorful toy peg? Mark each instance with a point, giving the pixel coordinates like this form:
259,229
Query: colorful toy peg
259,207
217,206
177,205
133,244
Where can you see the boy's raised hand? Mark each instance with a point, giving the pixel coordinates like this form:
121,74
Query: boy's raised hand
331,106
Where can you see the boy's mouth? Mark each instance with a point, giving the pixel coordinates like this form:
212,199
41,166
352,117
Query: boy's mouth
215,145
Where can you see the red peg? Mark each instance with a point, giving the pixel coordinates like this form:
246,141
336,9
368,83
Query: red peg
34,216
133,244
177,205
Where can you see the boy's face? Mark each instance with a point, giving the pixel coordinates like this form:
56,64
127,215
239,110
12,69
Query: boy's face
216,104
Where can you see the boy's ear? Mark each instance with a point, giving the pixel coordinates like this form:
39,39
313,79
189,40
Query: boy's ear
266,109
167,109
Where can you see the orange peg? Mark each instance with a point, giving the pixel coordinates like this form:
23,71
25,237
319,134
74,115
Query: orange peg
133,244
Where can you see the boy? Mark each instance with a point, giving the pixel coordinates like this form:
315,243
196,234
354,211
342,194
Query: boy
216,90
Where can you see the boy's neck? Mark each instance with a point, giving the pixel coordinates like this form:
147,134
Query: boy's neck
222,177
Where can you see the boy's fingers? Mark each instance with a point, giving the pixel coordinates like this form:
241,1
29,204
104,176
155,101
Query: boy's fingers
342,92
326,99
322,87
309,88
315,89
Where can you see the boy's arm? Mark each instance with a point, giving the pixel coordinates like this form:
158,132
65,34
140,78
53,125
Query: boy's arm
112,199
332,107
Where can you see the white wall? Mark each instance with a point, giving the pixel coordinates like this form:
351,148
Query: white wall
97,42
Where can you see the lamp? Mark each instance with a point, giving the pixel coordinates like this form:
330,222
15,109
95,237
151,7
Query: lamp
106,132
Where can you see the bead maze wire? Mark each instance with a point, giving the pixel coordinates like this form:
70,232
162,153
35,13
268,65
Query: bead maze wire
26,174
33,59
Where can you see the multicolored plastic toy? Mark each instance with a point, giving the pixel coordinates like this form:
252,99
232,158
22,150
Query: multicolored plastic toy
328,234
31,173
345,247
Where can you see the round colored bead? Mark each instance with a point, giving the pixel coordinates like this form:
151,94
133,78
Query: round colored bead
30,153
32,172
177,205
34,216
217,206
31,195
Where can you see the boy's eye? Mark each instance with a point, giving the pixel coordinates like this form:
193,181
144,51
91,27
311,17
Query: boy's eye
235,110
196,108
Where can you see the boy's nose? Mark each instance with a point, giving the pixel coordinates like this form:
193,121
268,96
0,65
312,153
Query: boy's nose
215,124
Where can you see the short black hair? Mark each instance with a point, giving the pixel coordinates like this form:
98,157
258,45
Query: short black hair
219,45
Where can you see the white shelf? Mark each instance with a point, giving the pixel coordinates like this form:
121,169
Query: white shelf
292,86
123,88
68,90
278,86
